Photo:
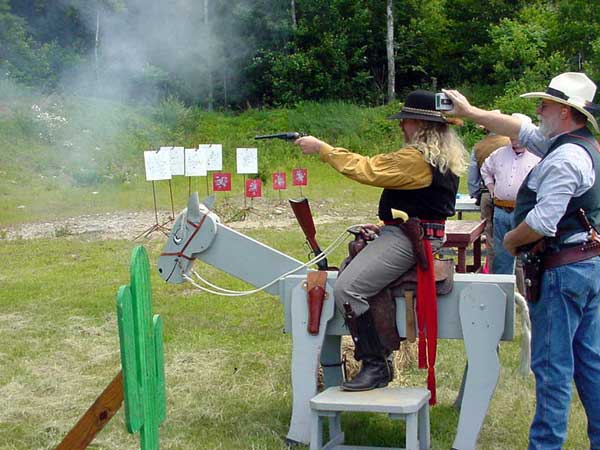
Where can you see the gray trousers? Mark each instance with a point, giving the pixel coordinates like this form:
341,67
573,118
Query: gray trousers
381,262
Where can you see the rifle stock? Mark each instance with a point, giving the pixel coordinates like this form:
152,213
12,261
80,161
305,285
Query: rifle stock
304,217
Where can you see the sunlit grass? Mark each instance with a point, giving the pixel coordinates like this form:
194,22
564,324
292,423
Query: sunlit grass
227,360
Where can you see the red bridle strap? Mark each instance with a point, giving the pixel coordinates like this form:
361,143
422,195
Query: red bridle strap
197,227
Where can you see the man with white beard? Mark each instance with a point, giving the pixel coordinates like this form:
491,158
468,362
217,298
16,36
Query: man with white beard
557,214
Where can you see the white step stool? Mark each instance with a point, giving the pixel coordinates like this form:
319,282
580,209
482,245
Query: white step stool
409,404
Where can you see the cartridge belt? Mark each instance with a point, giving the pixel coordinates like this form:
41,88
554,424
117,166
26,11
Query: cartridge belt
571,255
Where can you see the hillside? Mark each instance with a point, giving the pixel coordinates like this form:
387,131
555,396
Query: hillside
67,156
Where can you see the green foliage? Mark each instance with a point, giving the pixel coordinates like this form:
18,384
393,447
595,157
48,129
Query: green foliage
26,60
171,113
592,67
318,63
251,54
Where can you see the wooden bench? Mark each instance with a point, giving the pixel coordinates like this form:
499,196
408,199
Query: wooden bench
460,234
408,404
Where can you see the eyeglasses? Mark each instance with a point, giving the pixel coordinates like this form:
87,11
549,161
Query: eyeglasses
542,106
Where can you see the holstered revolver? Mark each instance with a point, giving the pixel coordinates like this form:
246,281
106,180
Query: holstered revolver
532,273
533,270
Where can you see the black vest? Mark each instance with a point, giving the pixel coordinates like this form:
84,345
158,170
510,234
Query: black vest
436,201
590,201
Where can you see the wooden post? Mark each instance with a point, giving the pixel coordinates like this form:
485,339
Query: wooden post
96,417
172,205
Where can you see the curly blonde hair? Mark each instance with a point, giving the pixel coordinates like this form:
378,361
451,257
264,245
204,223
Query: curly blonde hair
441,147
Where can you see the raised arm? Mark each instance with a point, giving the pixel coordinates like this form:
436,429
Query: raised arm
498,123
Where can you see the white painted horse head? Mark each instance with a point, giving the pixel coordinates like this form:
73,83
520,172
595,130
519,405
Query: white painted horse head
193,232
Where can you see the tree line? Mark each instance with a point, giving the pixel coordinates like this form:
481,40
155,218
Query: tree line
234,53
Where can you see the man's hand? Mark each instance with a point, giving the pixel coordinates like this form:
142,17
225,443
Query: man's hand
369,231
461,106
496,122
521,235
309,144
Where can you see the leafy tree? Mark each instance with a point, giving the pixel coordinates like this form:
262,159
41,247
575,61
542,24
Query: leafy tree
21,58
421,43
522,55
320,62
55,21
575,31
278,52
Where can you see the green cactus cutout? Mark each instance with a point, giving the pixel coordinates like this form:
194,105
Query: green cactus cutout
141,343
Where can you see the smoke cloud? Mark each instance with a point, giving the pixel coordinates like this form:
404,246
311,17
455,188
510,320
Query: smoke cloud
184,46
146,49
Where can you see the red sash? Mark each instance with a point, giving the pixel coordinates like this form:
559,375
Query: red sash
427,318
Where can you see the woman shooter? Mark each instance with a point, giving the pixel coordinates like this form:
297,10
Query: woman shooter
420,179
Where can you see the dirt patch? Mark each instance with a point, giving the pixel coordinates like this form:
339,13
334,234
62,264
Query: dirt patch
132,225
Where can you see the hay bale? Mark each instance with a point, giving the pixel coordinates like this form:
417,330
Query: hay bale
404,357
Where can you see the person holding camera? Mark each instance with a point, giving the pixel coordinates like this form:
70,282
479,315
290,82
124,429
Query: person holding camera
558,212
420,179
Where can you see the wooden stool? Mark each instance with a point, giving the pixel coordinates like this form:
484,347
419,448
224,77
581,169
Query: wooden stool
409,404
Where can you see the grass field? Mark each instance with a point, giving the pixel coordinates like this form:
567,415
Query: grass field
227,361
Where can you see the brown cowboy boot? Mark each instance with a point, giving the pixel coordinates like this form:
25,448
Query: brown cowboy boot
375,371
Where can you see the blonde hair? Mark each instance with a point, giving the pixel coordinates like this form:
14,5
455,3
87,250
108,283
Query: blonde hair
441,147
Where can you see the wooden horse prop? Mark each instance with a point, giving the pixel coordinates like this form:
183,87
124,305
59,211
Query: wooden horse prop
479,309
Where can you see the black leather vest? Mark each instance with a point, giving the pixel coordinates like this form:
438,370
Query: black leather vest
569,224
436,201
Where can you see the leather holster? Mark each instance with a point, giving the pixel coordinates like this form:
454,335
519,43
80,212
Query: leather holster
315,290
414,232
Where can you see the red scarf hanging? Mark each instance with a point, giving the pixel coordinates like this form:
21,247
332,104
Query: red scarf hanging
427,319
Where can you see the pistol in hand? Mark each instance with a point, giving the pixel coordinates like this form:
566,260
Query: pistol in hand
289,136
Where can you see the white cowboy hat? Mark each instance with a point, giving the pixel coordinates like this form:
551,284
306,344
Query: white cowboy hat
573,89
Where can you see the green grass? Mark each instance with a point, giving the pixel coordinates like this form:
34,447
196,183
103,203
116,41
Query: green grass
227,362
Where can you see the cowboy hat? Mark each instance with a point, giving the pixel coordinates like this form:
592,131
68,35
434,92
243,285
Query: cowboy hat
573,89
420,105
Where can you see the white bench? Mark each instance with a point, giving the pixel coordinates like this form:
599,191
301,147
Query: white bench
409,404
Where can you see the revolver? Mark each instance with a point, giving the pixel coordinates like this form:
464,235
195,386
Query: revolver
289,136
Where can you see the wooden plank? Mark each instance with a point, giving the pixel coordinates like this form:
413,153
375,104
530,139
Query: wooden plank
463,232
96,417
